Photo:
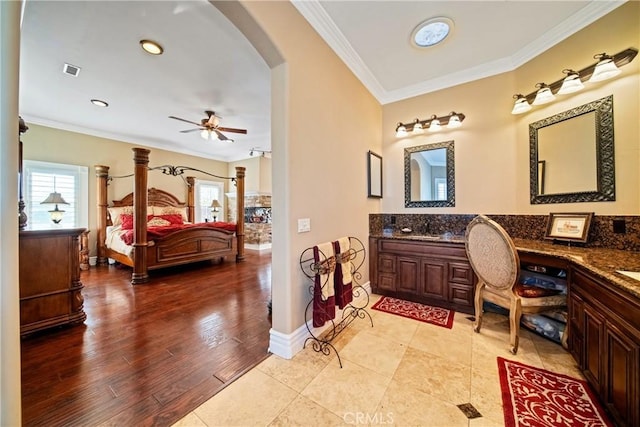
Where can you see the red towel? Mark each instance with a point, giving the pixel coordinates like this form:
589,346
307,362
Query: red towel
324,302
342,278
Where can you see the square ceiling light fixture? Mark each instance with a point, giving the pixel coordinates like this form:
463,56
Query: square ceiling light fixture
431,32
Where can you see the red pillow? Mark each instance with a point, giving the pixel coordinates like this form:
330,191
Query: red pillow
174,219
527,291
127,221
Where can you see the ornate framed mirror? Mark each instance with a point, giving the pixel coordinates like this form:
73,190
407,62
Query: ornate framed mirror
429,175
572,155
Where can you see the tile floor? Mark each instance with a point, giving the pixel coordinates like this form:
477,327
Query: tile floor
400,372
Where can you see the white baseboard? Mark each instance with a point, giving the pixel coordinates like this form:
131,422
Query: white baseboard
258,247
287,345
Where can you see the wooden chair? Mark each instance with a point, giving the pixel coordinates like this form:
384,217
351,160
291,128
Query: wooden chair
494,259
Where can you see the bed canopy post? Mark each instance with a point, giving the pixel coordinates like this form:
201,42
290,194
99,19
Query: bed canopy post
191,199
140,195
102,175
240,220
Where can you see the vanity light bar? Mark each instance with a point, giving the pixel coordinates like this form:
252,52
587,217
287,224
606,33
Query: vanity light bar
432,124
606,67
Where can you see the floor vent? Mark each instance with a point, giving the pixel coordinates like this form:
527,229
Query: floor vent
469,411
72,70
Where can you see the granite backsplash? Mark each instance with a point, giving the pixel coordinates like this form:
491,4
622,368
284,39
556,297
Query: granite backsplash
531,227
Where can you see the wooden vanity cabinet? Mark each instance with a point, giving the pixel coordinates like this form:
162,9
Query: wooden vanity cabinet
50,287
429,272
604,338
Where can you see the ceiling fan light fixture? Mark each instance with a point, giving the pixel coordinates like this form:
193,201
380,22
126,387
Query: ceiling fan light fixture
151,47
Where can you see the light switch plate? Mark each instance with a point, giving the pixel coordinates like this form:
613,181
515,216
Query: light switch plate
304,225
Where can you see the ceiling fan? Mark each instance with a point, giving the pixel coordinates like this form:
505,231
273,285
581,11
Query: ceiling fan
209,127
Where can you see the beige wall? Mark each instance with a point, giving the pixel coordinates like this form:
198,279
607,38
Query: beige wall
258,174
492,146
324,121
60,146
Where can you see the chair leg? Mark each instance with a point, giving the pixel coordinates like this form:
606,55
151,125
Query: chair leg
478,307
514,324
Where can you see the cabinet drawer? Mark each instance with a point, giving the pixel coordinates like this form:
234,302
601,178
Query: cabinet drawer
387,264
387,281
460,273
460,294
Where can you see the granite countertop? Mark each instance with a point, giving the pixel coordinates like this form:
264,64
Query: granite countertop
604,263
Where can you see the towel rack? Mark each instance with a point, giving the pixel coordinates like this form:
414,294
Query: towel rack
356,309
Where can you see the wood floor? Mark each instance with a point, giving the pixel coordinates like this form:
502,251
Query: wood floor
148,354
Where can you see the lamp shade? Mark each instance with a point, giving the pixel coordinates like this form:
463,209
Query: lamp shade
521,105
215,204
417,127
435,124
543,95
454,121
605,69
571,83
54,198
401,131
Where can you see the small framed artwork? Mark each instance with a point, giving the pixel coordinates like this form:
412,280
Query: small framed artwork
569,227
374,175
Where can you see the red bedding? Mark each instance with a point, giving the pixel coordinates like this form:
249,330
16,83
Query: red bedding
158,232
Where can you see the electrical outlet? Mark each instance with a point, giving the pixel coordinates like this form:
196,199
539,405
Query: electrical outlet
619,226
304,225
393,219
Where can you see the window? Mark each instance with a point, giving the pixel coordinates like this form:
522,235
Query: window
71,181
205,193
441,188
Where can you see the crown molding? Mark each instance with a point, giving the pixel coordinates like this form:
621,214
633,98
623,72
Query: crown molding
320,20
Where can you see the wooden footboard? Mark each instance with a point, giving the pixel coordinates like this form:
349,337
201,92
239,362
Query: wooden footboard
190,245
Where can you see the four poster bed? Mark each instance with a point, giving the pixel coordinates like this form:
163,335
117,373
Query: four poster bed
151,228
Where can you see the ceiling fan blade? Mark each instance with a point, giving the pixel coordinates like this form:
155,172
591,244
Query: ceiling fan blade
221,136
223,129
183,120
190,130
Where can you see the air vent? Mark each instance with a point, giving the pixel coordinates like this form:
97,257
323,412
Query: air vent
72,70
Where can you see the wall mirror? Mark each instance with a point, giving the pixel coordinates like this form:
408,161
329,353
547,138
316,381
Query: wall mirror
429,175
572,155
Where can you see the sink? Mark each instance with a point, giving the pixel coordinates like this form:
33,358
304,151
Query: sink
632,274
426,237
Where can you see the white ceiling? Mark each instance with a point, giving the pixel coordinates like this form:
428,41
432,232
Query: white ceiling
208,64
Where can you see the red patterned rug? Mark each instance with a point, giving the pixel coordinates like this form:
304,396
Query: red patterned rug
535,397
413,310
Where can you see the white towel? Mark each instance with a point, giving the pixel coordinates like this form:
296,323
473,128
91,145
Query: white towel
326,259
345,246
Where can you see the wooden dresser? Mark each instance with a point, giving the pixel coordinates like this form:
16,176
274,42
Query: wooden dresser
50,287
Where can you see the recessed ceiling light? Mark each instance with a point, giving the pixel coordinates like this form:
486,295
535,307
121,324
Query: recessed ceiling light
151,47
432,31
99,103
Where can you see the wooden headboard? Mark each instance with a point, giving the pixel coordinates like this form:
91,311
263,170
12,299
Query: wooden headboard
155,197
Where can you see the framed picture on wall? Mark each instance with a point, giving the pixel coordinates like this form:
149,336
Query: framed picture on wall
374,175
569,227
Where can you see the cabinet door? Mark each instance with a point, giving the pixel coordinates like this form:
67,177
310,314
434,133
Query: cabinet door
434,279
594,348
622,362
408,274
576,326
